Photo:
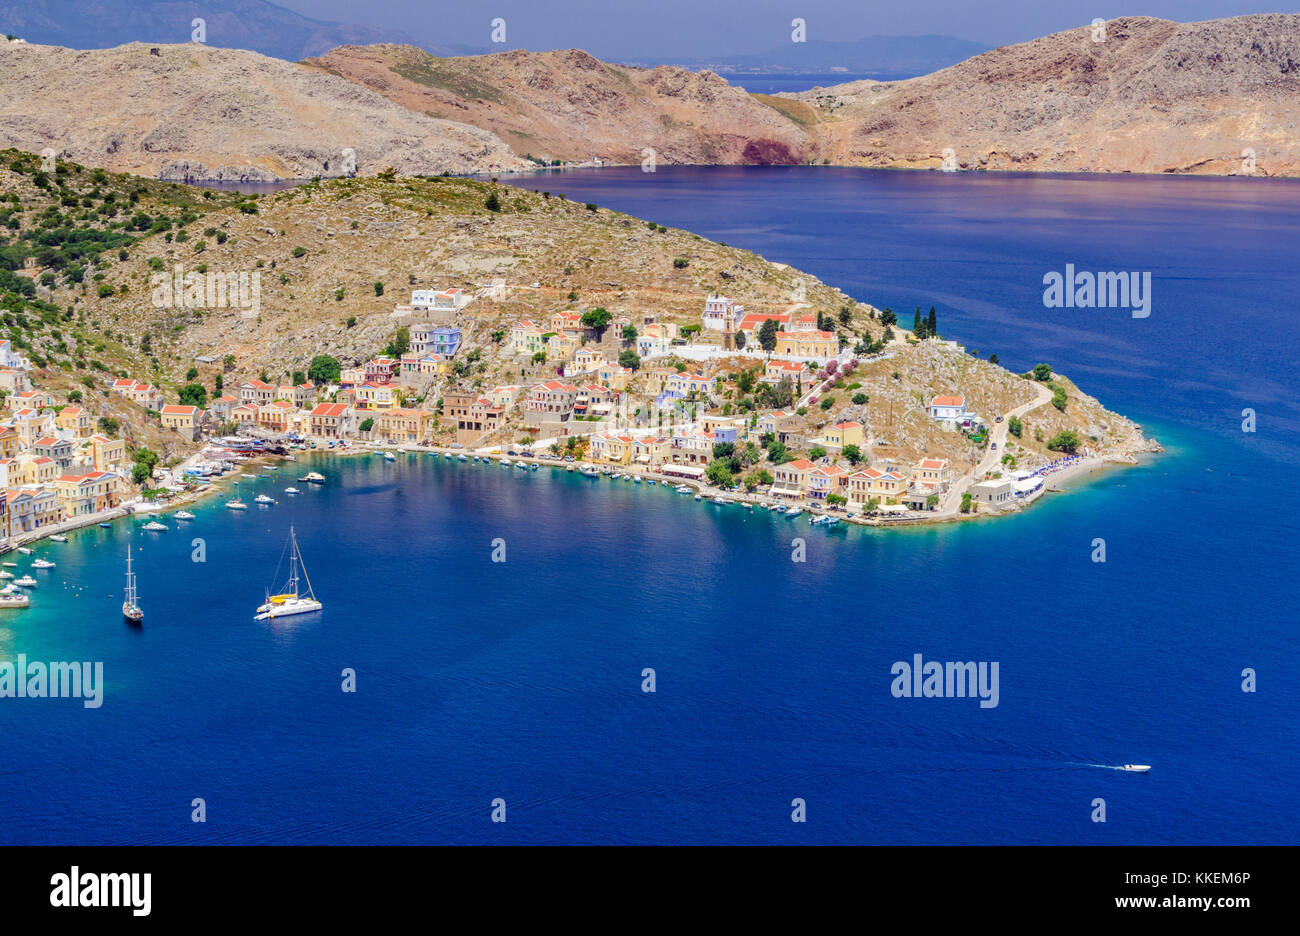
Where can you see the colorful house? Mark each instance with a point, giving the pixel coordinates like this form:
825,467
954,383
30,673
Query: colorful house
402,425
92,492
377,396
76,421
791,479
107,454
332,421
184,420
844,433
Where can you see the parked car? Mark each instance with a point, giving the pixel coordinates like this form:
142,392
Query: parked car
999,419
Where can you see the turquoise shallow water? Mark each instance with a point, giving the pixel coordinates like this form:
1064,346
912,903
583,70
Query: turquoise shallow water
522,680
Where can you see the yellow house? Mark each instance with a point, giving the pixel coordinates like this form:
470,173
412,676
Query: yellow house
10,443
614,376
184,420
817,345
87,493
561,347
612,449
377,396
107,453
76,420
844,433
403,425
652,452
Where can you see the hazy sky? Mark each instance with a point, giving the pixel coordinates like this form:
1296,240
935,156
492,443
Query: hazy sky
667,28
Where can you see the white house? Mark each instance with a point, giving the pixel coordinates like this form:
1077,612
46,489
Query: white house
717,309
949,408
446,300
10,358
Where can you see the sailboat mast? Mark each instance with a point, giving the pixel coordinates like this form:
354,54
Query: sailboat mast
293,561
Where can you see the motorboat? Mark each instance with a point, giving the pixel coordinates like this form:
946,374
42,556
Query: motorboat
183,515
24,550
59,538
236,504
1136,768
389,456
26,581
264,499
42,564
313,477
292,490
153,526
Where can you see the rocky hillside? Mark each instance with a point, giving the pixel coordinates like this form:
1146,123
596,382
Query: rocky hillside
1152,96
337,258
194,112
568,105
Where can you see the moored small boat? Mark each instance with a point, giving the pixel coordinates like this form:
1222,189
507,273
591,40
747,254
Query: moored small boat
183,515
24,550
26,581
59,538
292,490
153,526
236,504
313,477
42,564
264,499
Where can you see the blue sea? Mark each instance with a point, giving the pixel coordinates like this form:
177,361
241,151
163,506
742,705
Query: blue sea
521,681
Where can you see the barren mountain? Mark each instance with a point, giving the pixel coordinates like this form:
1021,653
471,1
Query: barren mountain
1147,95
194,112
569,105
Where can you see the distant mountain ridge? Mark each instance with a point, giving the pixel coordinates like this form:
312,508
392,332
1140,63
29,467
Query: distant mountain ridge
230,24
872,55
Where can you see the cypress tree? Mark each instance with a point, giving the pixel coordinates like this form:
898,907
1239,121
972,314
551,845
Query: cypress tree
934,326
916,321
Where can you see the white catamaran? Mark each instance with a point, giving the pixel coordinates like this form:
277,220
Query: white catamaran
289,601
131,604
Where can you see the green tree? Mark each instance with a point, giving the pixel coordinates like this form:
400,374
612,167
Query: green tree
629,332
324,369
191,373
1059,398
860,399
1015,426
1067,440
932,326
836,500
767,335
966,502
298,378
400,344
629,359
720,474
194,394
816,452
852,454
493,203
596,319
366,424
1042,372
740,339
379,288
888,317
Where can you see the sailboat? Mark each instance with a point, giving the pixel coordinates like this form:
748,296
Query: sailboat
289,601
131,605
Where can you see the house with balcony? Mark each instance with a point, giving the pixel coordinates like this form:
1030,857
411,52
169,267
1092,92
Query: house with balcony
614,376
612,449
332,421
824,480
186,421
256,392
476,417
593,400
651,452
30,399
381,371
790,481
404,425
552,401
932,475
526,337
58,450
371,396
222,407
75,422
719,310
430,338
692,447
276,417
503,396
107,454
88,493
